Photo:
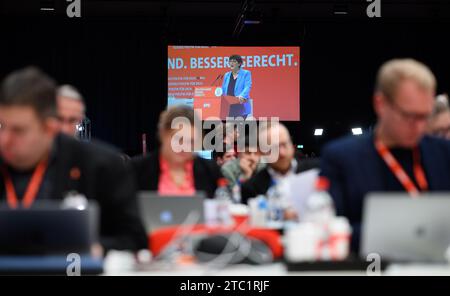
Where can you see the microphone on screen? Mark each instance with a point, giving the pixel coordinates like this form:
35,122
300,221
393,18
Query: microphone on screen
217,78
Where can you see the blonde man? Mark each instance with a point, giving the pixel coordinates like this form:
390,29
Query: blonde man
384,160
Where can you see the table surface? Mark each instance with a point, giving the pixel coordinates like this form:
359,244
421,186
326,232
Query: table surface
123,263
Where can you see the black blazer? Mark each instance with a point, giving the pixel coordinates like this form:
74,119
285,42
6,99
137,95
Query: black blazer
260,183
103,177
147,170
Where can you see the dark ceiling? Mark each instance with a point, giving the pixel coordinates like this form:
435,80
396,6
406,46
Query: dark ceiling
116,52
229,10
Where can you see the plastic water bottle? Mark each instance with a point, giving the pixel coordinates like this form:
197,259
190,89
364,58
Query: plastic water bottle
258,211
274,204
236,192
223,198
319,211
320,206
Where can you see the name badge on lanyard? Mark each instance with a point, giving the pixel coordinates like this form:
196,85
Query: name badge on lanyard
400,173
32,189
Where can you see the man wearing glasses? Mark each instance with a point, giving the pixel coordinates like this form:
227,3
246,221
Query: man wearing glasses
397,156
71,109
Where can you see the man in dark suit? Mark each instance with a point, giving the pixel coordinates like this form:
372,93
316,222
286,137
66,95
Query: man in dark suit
396,156
38,162
281,164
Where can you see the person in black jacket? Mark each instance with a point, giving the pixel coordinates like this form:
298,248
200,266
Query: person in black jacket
38,162
171,171
280,167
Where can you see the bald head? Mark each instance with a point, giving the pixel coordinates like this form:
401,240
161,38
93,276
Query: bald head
277,136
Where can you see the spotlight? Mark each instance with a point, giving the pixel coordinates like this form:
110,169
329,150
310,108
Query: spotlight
357,131
340,9
47,5
252,18
318,132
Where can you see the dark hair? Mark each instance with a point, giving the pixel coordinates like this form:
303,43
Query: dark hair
237,58
30,87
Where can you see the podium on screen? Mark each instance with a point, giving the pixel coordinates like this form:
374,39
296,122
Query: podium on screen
214,104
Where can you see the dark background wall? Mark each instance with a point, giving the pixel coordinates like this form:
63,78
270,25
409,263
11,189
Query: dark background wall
117,57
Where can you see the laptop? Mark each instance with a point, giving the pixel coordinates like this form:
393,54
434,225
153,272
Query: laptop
162,211
40,239
404,229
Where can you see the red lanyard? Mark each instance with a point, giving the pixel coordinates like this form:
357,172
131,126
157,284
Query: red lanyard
400,173
32,188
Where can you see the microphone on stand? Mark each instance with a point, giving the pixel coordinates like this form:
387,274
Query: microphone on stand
217,78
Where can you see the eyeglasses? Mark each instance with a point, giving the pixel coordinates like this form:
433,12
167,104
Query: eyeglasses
410,116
